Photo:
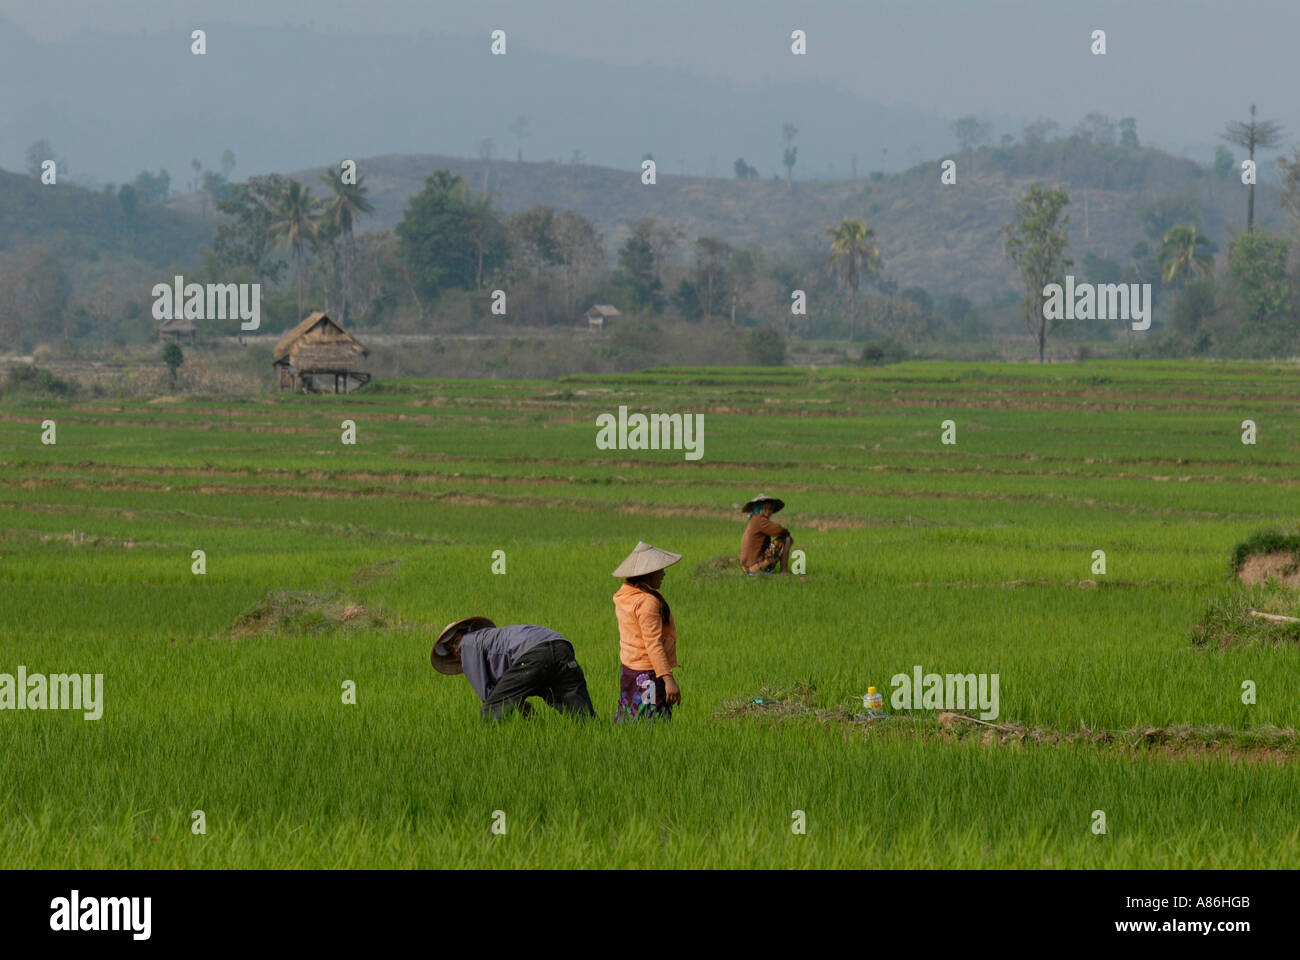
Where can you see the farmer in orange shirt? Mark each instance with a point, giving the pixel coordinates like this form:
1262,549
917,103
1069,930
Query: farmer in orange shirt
647,637
765,546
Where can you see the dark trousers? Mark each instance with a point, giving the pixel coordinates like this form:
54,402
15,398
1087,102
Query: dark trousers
549,671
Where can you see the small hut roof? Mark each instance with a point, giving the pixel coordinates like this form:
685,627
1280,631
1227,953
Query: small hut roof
606,310
325,357
285,343
178,325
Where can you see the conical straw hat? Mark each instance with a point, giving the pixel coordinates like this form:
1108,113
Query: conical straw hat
441,657
645,559
777,503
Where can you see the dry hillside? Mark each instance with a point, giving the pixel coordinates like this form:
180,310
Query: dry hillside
945,238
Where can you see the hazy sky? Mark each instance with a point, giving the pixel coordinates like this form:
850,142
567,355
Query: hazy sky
1181,67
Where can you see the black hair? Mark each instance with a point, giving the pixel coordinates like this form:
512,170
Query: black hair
665,612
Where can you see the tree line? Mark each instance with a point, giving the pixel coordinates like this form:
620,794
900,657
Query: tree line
1246,304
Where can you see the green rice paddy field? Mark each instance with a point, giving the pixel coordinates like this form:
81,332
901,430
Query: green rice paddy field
222,691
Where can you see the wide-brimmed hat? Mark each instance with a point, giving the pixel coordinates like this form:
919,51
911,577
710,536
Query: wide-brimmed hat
645,559
777,503
441,657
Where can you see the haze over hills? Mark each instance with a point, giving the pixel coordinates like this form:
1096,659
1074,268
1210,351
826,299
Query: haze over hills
84,226
944,238
279,97
941,237
288,97
591,68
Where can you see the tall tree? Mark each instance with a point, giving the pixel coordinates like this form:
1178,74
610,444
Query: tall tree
1036,246
375,280
483,231
1257,274
342,210
1040,130
37,154
519,129
294,227
130,202
449,238
45,292
1224,162
970,132
791,155
244,240
485,148
712,259
746,268
664,238
10,309
853,254
1128,133
227,163
327,248
1158,217
533,243
155,188
173,357
1254,133
1185,255
197,185
1290,199
1098,128
215,187
579,248
636,261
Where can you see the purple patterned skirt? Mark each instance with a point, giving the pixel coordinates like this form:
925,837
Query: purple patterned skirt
641,696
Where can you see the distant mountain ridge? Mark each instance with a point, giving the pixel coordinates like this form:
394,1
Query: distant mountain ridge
99,99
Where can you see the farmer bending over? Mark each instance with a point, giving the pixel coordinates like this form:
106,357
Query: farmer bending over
765,546
507,665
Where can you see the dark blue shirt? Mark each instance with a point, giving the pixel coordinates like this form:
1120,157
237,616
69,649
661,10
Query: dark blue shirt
485,655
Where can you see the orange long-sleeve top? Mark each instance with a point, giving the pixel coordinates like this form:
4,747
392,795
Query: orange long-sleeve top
758,532
645,642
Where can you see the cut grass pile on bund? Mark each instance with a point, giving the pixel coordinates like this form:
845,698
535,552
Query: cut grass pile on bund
1262,607
296,612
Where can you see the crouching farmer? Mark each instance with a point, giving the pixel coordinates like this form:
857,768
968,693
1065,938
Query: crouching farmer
765,545
507,665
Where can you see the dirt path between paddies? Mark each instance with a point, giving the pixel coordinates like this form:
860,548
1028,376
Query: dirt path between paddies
577,503
200,519
689,472
428,477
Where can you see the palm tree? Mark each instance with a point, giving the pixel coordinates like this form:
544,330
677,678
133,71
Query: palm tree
295,225
853,252
1184,255
342,211
1256,133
